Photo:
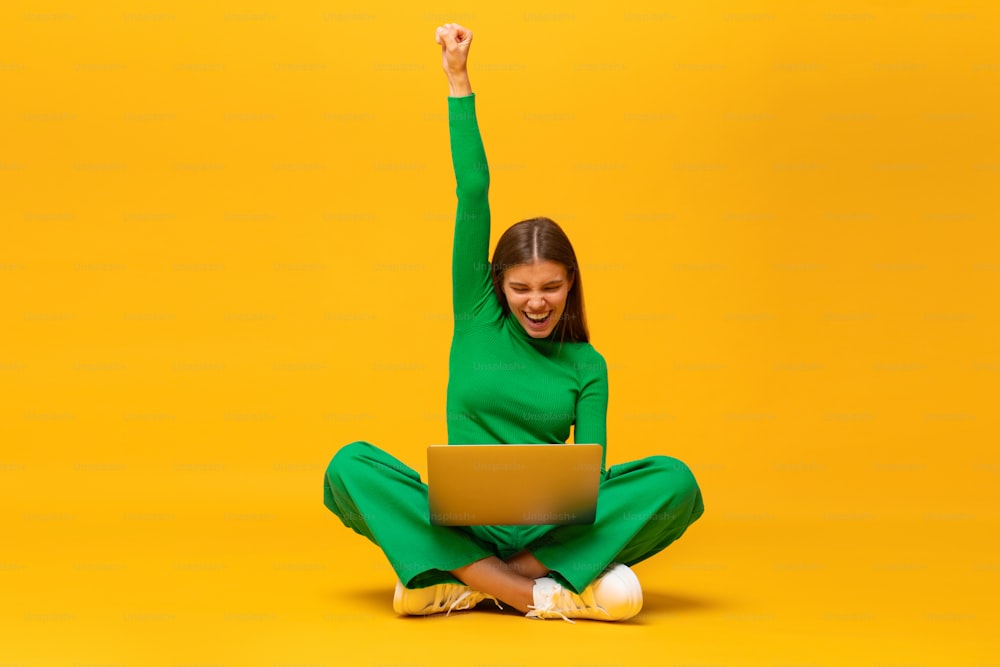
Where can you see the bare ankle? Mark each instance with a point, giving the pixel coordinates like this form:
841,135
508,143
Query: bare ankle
494,577
526,565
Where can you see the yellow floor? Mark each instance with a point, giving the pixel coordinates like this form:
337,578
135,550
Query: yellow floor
259,578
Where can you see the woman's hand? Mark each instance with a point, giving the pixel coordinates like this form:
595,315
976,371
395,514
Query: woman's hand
455,41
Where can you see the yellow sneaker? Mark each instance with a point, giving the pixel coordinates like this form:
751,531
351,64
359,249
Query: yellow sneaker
436,599
614,596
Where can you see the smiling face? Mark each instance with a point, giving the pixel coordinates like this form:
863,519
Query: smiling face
536,294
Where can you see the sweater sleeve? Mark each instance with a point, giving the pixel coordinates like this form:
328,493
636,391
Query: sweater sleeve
592,407
472,290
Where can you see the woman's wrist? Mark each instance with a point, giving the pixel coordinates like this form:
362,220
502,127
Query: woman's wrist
458,84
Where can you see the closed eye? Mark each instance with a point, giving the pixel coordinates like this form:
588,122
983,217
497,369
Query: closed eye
548,288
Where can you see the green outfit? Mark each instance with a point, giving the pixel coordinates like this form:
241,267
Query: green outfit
506,387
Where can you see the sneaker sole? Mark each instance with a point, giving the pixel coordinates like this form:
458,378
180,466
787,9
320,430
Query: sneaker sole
397,601
633,604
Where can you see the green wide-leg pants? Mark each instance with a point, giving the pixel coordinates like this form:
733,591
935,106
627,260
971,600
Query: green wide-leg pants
642,507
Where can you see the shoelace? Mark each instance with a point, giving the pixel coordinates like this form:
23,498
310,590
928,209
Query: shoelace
466,594
548,606
536,612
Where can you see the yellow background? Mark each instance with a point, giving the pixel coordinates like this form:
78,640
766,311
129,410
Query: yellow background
226,230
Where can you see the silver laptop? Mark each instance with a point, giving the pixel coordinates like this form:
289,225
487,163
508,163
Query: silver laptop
475,485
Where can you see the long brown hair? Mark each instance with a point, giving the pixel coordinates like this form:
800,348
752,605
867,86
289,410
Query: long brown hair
541,239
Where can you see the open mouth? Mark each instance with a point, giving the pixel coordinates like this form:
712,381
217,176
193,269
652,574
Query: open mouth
538,320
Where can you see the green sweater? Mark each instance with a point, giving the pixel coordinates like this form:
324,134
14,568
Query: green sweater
503,385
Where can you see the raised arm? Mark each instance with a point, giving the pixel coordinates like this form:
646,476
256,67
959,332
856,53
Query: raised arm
472,290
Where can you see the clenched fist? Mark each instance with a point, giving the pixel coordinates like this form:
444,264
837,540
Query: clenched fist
454,41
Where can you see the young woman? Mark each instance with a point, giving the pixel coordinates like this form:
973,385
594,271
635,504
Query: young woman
521,370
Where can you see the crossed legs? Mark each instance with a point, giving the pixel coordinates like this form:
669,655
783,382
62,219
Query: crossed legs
511,581
645,505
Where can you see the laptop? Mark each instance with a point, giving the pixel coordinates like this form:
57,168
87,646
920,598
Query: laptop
513,485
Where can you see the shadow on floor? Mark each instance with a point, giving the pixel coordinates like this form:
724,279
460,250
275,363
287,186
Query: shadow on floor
379,601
